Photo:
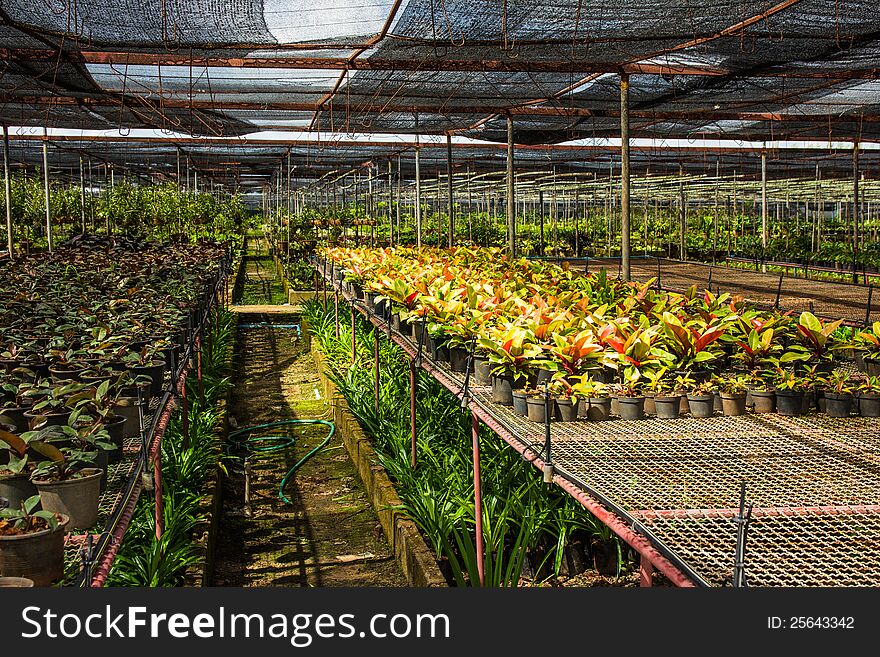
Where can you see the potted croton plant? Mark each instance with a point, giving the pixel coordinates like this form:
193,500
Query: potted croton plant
762,392
789,389
69,485
513,355
32,542
565,399
595,402
869,396
147,363
838,393
732,390
701,398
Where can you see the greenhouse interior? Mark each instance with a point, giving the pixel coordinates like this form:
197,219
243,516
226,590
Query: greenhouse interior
440,293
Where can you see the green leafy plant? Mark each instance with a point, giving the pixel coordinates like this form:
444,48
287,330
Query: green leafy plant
27,519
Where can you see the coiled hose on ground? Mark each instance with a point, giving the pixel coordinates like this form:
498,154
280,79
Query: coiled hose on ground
275,443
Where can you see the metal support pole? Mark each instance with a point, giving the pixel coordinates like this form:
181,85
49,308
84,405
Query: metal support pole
7,185
418,195
82,196
715,217
511,206
412,412
682,216
199,371
353,340
763,209
184,409
478,498
856,211
376,368
450,238
336,311
624,177
646,570
46,189
157,493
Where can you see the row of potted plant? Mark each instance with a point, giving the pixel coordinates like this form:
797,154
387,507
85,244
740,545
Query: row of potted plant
87,346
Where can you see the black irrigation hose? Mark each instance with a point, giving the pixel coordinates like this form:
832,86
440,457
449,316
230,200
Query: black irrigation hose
274,443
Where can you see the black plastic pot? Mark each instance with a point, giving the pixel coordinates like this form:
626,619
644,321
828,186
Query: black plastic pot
733,403
837,405
789,402
16,489
117,431
633,408
764,400
809,402
503,386
566,410
872,366
482,371
16,416
520,405
537,409
701,405
156,372
668,408
458,359
596,409
395,322
441,352
869,404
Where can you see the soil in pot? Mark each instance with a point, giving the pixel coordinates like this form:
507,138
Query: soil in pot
566,410
482,371
838,405
76,498
520,405
16,488
633,408
503,386
38,556
537,408
668,408
765,401
701,405
869,405
789,402
733,404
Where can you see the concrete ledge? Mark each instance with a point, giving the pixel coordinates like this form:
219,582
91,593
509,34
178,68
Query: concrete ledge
413,554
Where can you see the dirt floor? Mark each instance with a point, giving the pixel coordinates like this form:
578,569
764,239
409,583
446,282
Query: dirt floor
330,535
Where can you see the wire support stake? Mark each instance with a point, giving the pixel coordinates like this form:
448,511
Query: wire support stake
465,388
742,532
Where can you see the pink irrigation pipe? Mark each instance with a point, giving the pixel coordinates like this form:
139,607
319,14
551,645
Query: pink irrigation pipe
643,547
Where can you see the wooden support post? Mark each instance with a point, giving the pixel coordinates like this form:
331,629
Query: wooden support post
624,178
413,381
478,498
511,205
7,186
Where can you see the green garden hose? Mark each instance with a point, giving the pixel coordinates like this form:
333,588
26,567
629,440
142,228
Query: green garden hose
274,443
